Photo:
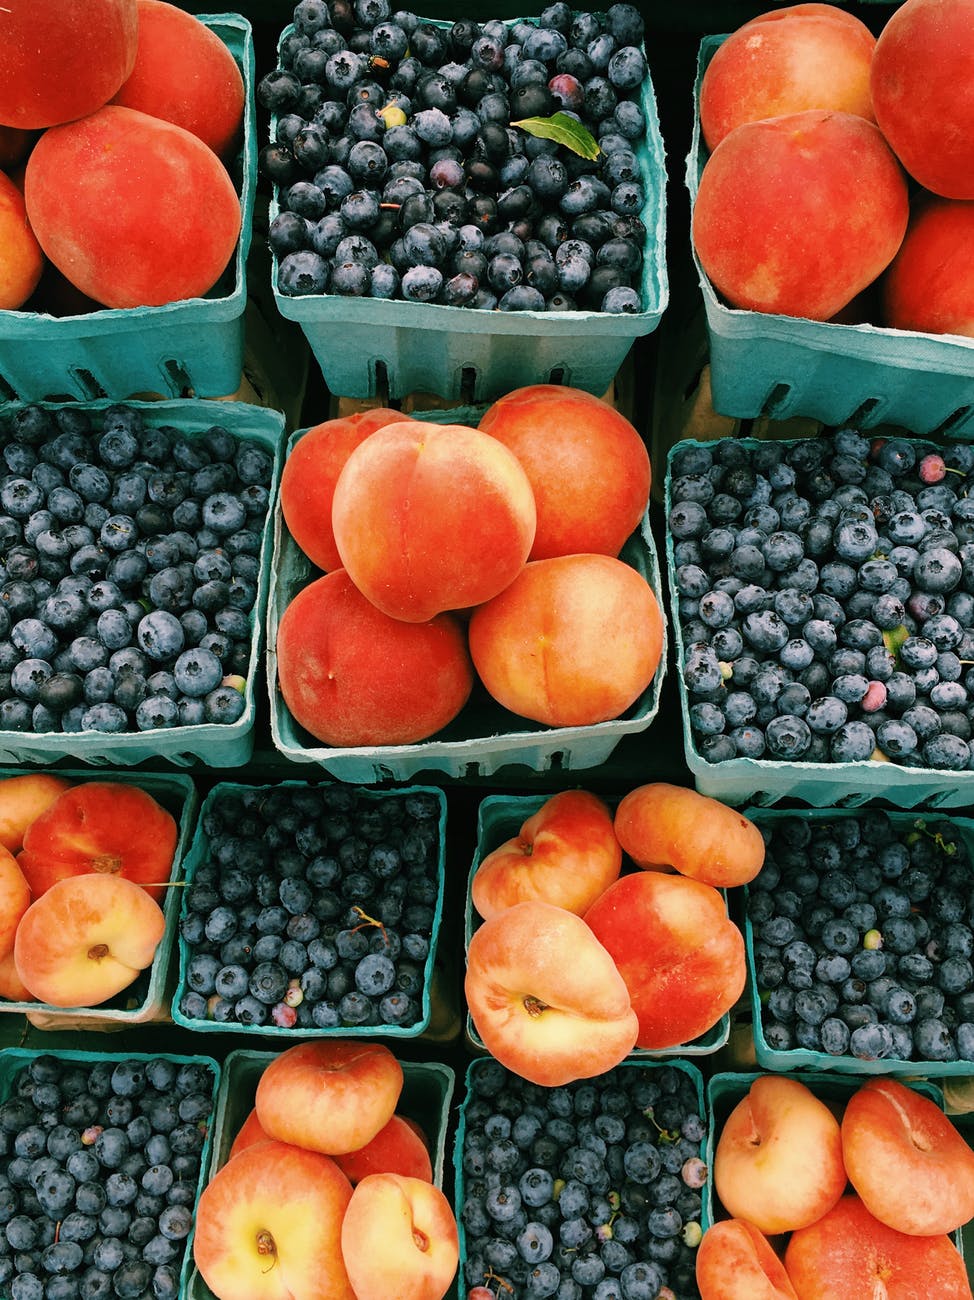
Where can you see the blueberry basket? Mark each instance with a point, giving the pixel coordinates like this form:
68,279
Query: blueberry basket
147,998
484,737
366,346
762,364
194,345
499,818
15,1059
200,854
214,744
800,1058
763,782
482,1079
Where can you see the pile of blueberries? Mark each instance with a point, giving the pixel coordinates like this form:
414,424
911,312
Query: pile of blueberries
99,1175
399,173
590,1190
311,907
825,594
863,937
129,563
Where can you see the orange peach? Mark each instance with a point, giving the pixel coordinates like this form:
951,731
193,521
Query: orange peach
735,1262
785,61
848,1252
397,1148
331,1095
921,78
588,467
351,675
564,853
206,98
778,1159
269,1226
87,938
432,517
108,827
929,285
250,1132
573,641
21,259
662,825
14,900
135,211
905,1158
22,799
797,214
61,62
545,996
681,956
399,1238
310,473
12,987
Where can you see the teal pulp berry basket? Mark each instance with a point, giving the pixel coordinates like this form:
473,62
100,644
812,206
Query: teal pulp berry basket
199,854
499,818
15,1059
194,346
762,782
147,997
800,1058
366,346
214,744
775,366
484,737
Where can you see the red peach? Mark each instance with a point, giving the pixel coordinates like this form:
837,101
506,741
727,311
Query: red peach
929,285
398,1148
21,259
250,1132
735,1262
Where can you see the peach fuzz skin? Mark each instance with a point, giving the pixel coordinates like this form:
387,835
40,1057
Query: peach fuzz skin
785,61
848,1252
778,1159
399,1238
588,467
565,853
735,1261
796,215
545,996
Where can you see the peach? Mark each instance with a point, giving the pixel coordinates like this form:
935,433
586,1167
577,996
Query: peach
681,956
797,214
206,98
331,1095
87,938
14,900
662,825
929,285
399,1238
12,987
785,61
432,517
397,1148
588,467
269,1225
351,675
135,211
545,996
921,78
310,473
848,1252
21,259
778,1159
735,1262
22,799
108,827
564,853
250,1132
910,1166
61,62
573,641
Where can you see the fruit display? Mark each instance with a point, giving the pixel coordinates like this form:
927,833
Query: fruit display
820,590
474,164
314,908
856,1180
591,1185
101,1170
861,940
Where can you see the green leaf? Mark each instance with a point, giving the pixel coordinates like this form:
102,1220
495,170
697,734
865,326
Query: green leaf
894,638
563,129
